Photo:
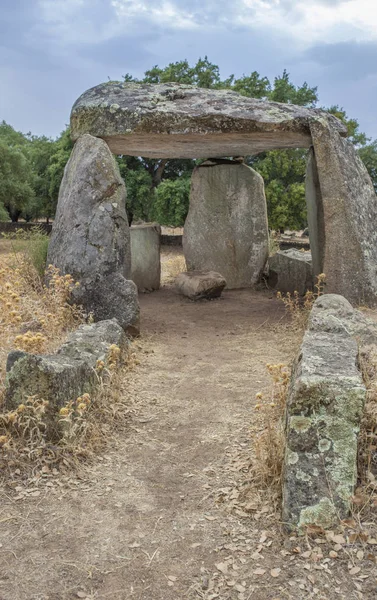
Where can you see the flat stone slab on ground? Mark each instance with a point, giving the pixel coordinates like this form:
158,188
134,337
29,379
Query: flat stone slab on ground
199,285
66,375
291,271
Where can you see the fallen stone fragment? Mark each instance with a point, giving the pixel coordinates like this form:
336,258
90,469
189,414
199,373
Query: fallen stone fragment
66,375
291,271
324,409
198,285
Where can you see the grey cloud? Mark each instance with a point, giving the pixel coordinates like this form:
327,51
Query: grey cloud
346,60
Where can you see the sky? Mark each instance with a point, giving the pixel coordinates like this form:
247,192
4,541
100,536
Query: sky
51,51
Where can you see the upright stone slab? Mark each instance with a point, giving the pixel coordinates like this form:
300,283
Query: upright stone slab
145,256
90,238
226,228
345,196
324,410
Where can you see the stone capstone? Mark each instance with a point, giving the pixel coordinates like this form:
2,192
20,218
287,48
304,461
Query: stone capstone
323,414
199,285
342,213
290,271
181,121
145,256
90,238
226,227
66,375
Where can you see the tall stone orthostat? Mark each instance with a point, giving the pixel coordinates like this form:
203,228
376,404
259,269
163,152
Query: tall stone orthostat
342,217
226,228
90,238
324,410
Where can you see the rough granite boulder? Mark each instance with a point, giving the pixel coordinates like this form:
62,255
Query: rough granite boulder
90,237
145,256
290,271
65,375
343,232
324,410
181,121
226,227
199,285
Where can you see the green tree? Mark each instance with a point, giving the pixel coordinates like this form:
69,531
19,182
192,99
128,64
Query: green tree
61,152
368,155
16,181
172,202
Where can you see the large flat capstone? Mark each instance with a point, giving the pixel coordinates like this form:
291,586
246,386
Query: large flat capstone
181,121
226,228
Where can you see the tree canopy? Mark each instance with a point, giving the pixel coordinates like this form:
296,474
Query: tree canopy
32,167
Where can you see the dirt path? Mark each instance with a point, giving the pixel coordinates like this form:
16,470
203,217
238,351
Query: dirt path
146,520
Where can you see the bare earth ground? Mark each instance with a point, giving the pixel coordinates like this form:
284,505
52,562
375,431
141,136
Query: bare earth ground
162,515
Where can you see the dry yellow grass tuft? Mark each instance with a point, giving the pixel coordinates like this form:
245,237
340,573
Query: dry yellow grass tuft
270,443
299,308
37,318
172,264
33,317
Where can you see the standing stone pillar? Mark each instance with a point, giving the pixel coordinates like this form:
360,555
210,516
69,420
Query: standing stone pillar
90,237
342,198
226,228
145,256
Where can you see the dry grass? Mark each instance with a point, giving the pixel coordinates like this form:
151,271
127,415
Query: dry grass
172,264
269,445
37,319
365,500
299,308
33,317
86,424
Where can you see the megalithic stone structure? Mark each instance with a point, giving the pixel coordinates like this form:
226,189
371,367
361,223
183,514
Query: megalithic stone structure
226,228
90,238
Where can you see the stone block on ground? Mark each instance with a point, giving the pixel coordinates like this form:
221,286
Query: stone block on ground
66,375
198,285
226,227
290,271
90,238
145,256
324,409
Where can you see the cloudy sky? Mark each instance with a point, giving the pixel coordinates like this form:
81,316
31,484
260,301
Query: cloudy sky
53,50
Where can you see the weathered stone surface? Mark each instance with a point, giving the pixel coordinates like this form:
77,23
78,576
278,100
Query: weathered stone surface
115,296
333,313
145,256
290,271
63,376
315,215
226,227
198,285
345,197
181,121
324,410
90,238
